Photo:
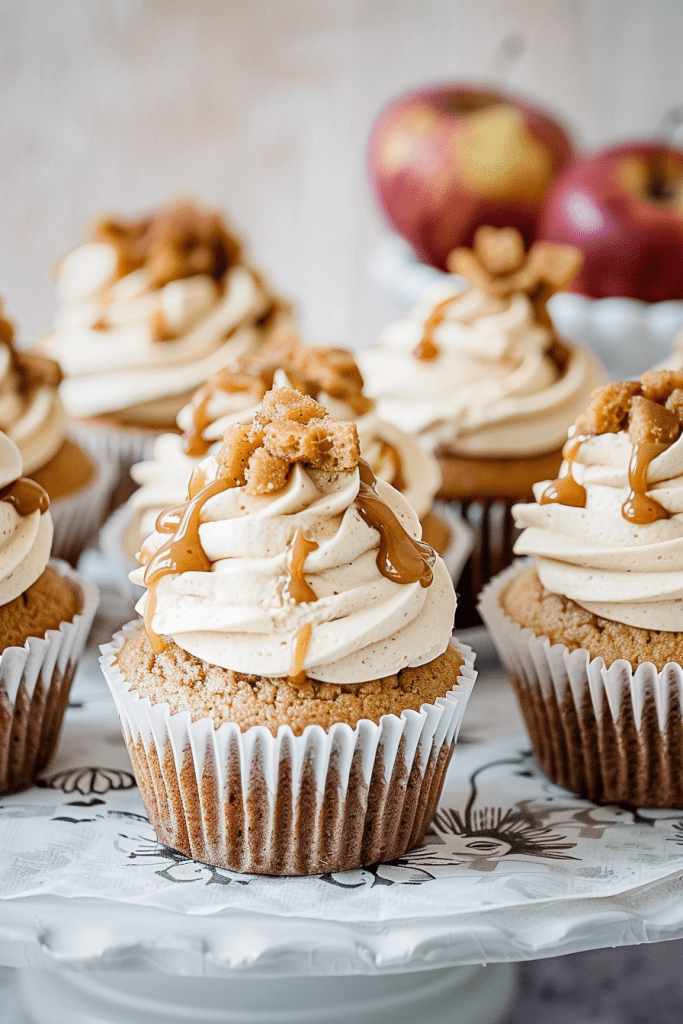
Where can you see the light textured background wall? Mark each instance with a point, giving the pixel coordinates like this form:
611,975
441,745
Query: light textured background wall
263,107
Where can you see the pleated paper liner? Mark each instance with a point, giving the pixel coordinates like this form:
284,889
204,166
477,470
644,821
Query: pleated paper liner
609,734
34,690
117,447
289,805
494,533
77,517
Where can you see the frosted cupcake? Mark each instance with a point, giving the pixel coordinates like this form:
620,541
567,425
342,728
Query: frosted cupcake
32,415
482,379
149,310
45,615
592,632
293,701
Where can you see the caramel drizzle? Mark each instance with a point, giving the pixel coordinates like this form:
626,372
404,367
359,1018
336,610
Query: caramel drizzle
639,508
566,490
183,551
298,588
427,348
302,639
398,479
25,496
400,558
194,443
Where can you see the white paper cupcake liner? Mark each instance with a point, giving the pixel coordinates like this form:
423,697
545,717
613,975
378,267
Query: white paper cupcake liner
612,735
116,553
288,805
77,517
120,448
34,690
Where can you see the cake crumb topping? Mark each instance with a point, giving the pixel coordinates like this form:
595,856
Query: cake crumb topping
289,427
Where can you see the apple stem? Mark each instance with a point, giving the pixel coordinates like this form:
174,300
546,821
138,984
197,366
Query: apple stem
658,185
506,56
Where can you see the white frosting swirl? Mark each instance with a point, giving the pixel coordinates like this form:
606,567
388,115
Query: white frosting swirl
492,390
611,567
25,541
163,478
33,417
122,365
239,614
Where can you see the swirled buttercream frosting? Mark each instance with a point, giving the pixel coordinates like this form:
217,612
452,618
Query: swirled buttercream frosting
329,375
31,411
150,309
289,558
25,525
608,533
482,373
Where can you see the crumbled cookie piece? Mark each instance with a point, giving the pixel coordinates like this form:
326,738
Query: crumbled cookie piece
650,422
498,265
657,385
177,242
289,427
674,403
266,472
609,409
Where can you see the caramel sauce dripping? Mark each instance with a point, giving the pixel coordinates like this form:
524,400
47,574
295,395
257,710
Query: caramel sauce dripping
401,558
194,443
639,508
302,639
566,490
183,551
25,496
427,348
298,587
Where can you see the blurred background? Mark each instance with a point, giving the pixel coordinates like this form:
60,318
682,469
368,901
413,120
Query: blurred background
263,108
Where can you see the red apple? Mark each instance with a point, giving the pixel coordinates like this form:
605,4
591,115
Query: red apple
446,159
623,207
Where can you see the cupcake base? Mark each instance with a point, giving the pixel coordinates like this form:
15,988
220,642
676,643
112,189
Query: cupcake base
35,680
610,733
325,800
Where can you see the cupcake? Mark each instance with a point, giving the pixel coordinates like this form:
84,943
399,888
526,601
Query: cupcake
591,632
292,701
45,615
482,379
327,374
32,415
149,310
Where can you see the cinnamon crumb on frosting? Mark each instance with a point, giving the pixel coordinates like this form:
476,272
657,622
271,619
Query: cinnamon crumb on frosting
288,428
174,243
650,409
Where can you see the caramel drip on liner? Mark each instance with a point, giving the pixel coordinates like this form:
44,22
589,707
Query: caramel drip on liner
302,639
25,496
194,443
427,348
400,558
298,587
639,507
182,552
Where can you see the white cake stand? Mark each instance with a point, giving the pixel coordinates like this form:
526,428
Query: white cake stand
86,960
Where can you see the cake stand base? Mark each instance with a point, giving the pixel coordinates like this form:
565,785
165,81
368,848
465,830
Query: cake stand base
454,995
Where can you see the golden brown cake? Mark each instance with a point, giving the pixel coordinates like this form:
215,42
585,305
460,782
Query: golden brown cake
297,648
592,633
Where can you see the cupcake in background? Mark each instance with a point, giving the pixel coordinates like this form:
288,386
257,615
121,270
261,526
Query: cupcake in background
591,633
149,309
46,611
482,380
32,415
331,376
296,654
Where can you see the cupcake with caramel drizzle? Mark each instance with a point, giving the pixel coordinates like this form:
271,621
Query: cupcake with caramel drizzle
329,375
291,589
602,604
482,379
